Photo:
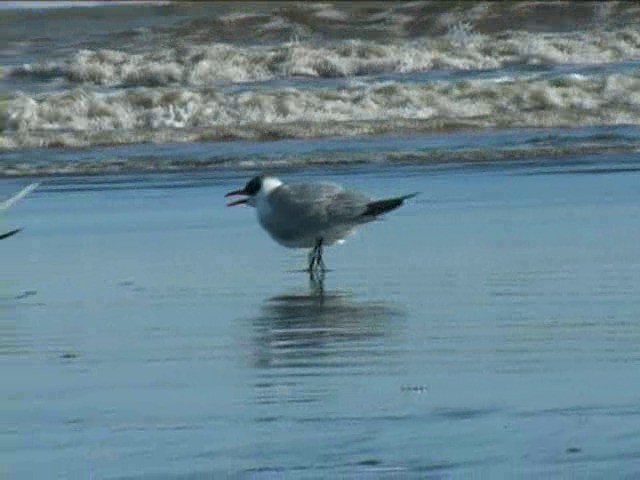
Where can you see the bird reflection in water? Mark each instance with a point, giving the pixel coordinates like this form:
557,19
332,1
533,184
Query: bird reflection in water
299,336
316,283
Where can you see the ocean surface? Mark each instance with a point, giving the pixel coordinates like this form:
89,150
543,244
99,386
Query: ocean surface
489,328
175,75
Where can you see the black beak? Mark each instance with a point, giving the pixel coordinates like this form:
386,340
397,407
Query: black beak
237,202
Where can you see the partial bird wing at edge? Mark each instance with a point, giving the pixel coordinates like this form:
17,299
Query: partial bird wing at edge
9,234
21,194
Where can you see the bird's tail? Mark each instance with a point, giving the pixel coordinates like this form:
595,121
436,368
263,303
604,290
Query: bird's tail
383,206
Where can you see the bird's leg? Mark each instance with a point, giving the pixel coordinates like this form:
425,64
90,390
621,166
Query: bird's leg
313,256
319,261
310,259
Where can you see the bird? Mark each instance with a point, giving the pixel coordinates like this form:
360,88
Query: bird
311,215
10,201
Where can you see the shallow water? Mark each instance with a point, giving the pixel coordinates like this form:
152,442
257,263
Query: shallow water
488,328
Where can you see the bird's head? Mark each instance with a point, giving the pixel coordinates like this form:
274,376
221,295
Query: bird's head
254,189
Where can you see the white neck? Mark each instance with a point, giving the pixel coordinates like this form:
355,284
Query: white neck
269,184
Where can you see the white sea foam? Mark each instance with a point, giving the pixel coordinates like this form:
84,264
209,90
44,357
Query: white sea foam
461,49
78,116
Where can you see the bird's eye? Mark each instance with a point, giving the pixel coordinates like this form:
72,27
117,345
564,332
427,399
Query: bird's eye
254,185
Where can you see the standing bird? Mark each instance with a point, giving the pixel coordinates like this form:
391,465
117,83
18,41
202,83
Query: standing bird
10,201
310,215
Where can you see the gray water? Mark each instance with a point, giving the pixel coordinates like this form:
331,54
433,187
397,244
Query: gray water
487,329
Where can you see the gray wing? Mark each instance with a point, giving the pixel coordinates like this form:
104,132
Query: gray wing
316,206
321,202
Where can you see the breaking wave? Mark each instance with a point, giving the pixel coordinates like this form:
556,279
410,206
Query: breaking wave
191,73
460,49
80,117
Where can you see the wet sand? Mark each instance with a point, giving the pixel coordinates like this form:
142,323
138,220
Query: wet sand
487,328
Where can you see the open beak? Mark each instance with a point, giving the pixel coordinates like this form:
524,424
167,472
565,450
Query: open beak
236,202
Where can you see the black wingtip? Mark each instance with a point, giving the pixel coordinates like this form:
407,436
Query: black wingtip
411,195
9,234
383,206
